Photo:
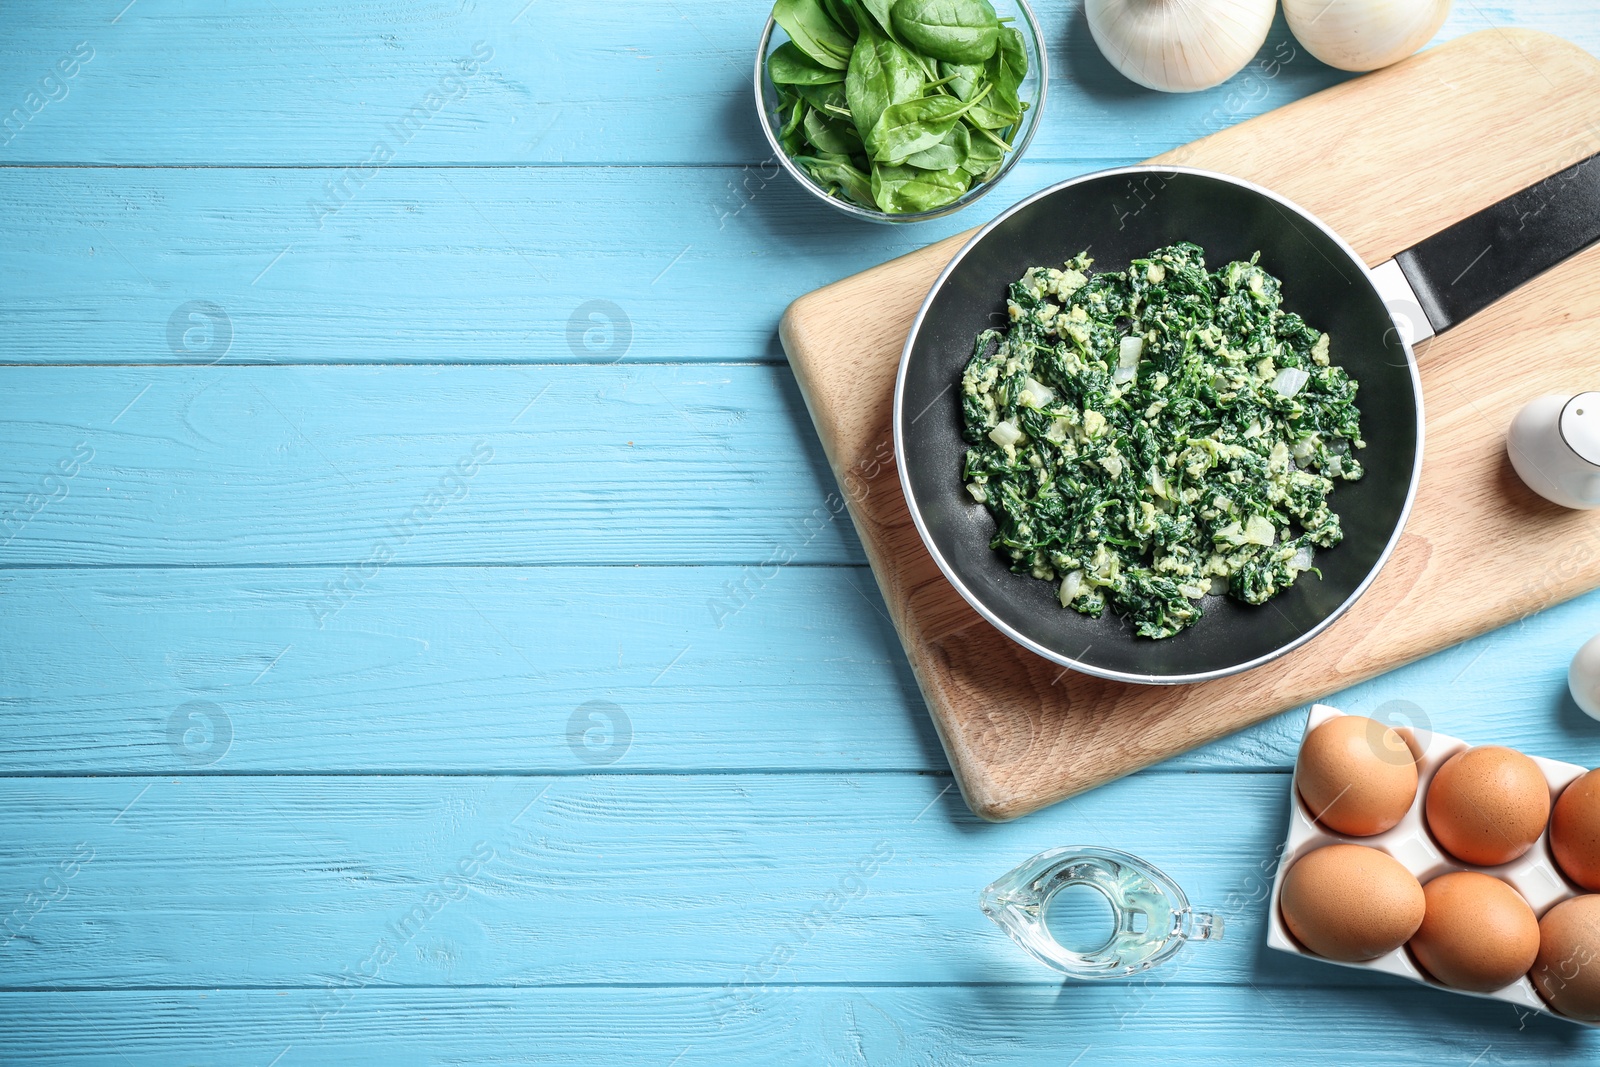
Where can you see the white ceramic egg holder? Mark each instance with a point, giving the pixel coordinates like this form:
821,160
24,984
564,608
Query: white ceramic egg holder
1534,874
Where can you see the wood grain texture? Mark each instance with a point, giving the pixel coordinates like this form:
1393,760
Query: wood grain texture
457,670
607,154
917,1026
449,253
185,466
1372,159
273,82
290,881
294,81
424,265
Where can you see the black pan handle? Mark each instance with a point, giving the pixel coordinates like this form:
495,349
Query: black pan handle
1463,269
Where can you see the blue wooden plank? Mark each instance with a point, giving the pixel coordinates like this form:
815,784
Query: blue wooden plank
364,467
1006,1026
460,670
437,265
454,670
514,82
291,881
231,266
293,81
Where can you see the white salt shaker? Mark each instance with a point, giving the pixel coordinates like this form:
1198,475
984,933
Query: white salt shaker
1554,444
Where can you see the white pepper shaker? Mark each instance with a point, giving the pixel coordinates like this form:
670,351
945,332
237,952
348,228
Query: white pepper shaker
1554,444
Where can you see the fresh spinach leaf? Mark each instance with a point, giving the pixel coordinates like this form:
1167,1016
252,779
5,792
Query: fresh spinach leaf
814,32
842,14
949,153
895,104
881,74
963,79
960,31
900,189
1011,59
879,10
787,65
1005,70
834,175
792,136
832,135
984,156
824,97
906,129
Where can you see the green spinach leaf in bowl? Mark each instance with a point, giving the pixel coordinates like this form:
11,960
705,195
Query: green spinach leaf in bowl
899,106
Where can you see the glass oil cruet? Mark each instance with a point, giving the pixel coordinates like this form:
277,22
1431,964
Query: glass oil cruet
1096,912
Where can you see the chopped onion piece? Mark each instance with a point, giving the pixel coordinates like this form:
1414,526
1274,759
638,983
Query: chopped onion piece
1128,352
1258,530
1219,585
1290,380
1071,587
1301,560
1036,394
1005,433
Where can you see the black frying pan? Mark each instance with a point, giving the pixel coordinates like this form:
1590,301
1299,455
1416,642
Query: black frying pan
1372,316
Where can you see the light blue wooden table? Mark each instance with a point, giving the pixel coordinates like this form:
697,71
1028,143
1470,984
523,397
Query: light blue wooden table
391,391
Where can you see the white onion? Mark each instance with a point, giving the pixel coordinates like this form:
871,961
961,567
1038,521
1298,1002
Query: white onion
1179,46
1290,380
1301,560
1364,34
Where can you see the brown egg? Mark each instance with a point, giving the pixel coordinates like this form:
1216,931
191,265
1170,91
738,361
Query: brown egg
1356,775
1575,831
1477,932
1567,969
1350,902
1488,805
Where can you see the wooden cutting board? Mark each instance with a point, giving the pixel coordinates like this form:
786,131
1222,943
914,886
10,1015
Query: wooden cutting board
1386,160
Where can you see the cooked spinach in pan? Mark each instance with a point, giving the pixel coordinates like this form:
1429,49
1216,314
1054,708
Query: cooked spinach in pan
1145,438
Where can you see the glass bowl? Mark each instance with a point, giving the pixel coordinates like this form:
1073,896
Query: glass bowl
1031,92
